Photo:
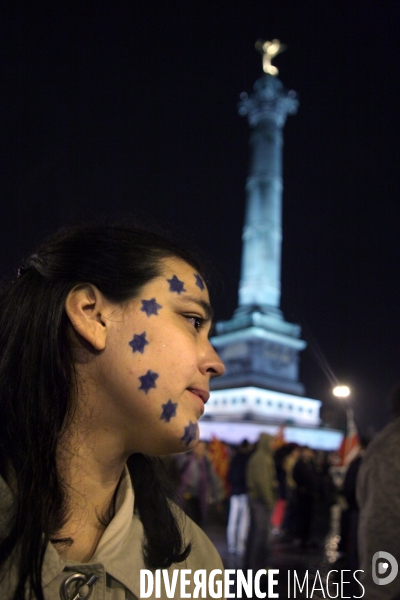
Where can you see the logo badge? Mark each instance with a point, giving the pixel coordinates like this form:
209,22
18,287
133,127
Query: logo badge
382,567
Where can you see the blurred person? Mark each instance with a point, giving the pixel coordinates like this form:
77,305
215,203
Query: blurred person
350,515
289,525
200,485
324,498
239,512
262,489
282,463
378,497
304,476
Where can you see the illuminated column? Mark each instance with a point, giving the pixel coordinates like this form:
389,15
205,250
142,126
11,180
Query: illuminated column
259,348
266,110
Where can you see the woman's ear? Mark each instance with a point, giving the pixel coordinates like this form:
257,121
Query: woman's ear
85,308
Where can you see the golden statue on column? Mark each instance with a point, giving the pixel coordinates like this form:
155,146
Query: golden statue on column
269,50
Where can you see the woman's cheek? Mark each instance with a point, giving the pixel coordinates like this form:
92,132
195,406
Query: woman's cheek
149,362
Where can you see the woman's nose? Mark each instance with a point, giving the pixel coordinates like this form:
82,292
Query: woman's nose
212,365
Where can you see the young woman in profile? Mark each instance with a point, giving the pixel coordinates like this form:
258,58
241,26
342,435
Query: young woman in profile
105,361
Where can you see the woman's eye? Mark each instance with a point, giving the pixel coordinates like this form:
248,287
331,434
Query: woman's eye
197,322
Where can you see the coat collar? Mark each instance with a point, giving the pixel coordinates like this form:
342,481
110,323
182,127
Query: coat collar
119,550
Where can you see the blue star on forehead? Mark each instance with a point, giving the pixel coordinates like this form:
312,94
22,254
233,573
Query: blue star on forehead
176,285
169,411
199,281
150,307
138,342
148,381
190,433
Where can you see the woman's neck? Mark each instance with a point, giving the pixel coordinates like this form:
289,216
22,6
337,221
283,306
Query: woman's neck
90,469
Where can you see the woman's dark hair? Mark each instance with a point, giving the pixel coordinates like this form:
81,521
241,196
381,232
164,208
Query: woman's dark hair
37,378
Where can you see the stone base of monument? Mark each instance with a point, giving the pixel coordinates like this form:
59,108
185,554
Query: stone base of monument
255,356
256,404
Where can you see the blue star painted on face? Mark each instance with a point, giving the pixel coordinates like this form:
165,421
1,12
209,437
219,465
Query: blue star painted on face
199,281
138,342
190,433
176,285
169,411
150,307
148,381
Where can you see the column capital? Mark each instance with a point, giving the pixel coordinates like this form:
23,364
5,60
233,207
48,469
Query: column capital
270,100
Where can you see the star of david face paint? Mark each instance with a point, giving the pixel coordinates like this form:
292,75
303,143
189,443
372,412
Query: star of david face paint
175,285
169,410
158,362
199,281
150,307
190,433
138,342
148,381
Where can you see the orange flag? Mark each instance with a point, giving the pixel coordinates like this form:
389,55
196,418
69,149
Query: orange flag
219,457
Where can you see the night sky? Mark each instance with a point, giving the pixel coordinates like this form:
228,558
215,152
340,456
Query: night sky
131,106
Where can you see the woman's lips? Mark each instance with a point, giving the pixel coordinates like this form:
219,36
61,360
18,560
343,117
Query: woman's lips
202,397
202,394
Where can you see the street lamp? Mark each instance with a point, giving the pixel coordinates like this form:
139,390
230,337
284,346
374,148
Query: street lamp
343,391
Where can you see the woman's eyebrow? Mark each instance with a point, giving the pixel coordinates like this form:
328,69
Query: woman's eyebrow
204,305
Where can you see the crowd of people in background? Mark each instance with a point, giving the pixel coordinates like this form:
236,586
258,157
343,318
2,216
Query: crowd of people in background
296,495
260,491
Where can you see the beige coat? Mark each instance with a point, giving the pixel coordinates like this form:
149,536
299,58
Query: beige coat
261,473
118,559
